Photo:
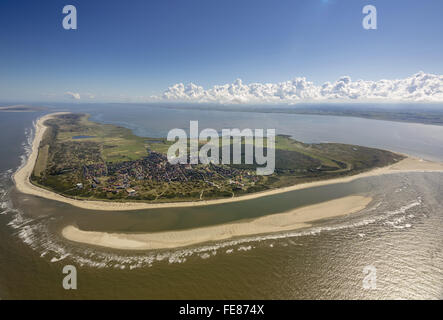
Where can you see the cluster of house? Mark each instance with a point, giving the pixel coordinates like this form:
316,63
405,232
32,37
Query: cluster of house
156,167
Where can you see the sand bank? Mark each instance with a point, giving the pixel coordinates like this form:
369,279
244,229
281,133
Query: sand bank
23,184
290,220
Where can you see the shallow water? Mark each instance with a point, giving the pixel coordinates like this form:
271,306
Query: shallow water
410,138
400,234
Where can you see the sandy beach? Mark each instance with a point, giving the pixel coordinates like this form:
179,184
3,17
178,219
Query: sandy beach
23,184
290,220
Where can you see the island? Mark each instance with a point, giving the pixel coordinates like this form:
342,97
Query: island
82,159
106,167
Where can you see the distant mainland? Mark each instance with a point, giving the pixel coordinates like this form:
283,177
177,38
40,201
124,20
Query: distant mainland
21,108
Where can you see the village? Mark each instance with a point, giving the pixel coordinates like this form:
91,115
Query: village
131,177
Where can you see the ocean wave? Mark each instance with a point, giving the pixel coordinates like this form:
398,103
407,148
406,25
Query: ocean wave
5,203
60,258
27,144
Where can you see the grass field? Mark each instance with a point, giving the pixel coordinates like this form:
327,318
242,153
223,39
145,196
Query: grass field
116,143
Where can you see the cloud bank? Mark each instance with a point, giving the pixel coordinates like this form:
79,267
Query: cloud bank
73,95
421,87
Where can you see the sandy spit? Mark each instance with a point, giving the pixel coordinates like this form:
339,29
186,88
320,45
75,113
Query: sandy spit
23,184
290,220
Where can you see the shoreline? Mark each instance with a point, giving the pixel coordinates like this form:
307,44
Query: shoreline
285,221
23,184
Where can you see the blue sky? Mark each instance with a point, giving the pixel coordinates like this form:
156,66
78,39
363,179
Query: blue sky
138,48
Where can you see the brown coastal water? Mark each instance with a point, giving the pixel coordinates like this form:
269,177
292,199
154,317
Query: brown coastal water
400,233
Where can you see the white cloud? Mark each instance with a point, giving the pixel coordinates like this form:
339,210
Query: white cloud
73,95
419,87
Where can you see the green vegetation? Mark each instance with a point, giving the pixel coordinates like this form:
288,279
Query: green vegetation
88,160
111,143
